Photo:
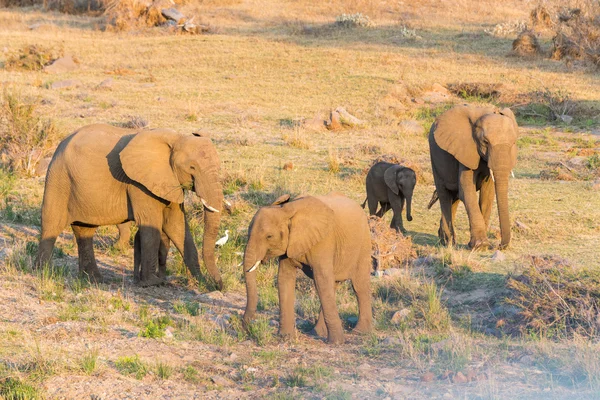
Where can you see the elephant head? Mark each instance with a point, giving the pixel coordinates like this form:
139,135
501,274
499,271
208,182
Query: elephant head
286,227
401,180
473,134
165,162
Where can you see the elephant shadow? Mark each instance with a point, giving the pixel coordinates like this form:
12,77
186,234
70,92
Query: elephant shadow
423,239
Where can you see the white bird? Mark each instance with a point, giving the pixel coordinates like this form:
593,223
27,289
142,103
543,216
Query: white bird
223,240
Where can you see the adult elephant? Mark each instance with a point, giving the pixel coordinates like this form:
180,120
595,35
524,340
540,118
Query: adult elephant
473,149
390,186
328,238
104,175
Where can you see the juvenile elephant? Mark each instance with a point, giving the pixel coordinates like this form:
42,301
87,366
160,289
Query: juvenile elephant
473,149
104,175
328,238
390,185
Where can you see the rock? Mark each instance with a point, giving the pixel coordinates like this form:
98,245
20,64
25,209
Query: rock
438,88
334,123
173,14
392,341
69,83
435,97
364,367
220,381
348,119
578,162
168,333
418,100
352,320
61,65
42,166
232,357
498,256
317,124
567,119
521,226
288,166
527,360
274,323
427,377
392,272
106,84
400,316
410,127
459,377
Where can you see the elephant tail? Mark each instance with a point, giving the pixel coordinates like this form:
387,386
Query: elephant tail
365,202
434,198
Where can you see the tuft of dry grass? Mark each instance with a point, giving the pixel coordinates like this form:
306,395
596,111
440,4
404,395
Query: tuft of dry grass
390,248
526,45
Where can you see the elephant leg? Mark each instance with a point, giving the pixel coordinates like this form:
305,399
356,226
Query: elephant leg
384,208
85,248
286,281
372,201
124,235
47,241
149,242
487,194
137,257
163,252
446,231
397,204
362,288
177,231
320,327
468,194
325,284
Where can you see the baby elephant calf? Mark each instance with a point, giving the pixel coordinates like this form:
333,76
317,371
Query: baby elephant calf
390,185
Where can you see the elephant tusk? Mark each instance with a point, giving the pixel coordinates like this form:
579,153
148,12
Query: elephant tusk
512,173
209,208
492,175
254,266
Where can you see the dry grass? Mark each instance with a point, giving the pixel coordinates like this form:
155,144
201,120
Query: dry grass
390,248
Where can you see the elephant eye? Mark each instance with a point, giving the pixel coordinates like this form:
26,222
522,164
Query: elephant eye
192,168
269,236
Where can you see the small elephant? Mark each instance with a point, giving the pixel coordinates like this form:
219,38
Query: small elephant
390,185
473,149
328,238
104,175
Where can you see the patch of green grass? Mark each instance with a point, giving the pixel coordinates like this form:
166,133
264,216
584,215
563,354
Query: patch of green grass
89,362
260,331
131,365
593,161
163,370
16,389
190,374
51,282
191,308
155,328
371,346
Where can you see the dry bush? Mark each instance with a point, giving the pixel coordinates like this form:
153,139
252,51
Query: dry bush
390,248
556,299
32,58
475,89
549,104
90,7
134,122
123,15
579,168
526,45
540,17
25,138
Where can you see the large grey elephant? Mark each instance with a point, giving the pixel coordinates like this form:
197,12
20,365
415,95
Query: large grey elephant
104,175
390,186
328,238
473,149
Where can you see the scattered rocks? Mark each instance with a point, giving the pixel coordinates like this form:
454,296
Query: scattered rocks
577,162
66,84
400,316
498,256
61,65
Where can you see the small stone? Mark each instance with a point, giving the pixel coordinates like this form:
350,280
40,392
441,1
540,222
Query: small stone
392,272
334,123
232,357
427,377
252,369
400,316
173,14
219,380
148,85
60,65
106,84
288,166
364,367
521,226
410,127
418,100
168,333
578,162
69,83
567,119
459,377
274,323
498,256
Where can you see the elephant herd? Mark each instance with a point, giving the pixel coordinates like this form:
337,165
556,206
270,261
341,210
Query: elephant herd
104,175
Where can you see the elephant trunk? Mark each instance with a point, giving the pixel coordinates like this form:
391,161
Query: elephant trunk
210,190
250,264
409,208
501,177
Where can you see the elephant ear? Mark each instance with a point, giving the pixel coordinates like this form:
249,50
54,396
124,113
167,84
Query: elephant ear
389,176
453,132
284,198
146,160
310,222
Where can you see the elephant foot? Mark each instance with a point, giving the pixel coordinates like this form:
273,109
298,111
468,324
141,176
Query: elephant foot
479,244
287,336
92,276
152,281
335,338
320,329
362,328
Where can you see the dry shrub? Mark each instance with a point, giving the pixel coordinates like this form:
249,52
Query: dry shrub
475,89
556,299
390,248
540,17
123,15
526,45
134,122
25,138
32,58
90,7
